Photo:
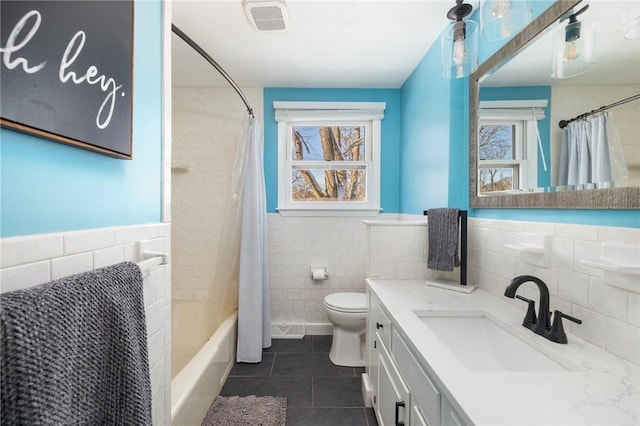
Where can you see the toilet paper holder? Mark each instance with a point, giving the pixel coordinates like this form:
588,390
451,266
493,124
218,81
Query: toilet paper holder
319,272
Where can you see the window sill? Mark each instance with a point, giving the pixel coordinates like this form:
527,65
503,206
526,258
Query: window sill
328,212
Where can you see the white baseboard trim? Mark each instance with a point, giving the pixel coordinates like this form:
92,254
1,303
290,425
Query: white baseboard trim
298,331
319,329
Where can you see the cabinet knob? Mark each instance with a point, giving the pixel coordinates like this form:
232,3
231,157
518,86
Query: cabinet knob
378,326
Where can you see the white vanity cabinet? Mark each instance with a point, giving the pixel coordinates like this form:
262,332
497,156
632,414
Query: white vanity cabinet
403,393
425,395
391,397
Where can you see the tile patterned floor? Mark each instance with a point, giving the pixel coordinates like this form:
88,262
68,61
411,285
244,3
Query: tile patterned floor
318,393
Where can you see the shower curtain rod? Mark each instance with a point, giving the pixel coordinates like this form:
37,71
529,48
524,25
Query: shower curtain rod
564,123
209,59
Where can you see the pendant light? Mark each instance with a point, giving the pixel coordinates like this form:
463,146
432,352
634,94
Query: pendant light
574,50
459,43
500,19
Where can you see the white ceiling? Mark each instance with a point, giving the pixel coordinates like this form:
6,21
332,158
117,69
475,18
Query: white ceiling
360,44
346,43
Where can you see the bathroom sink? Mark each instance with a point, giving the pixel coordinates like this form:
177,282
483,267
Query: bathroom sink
483,343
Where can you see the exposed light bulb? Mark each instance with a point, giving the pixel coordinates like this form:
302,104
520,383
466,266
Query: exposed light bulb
459,50
459,54
571,50
572,46
459,43
501,8
506,26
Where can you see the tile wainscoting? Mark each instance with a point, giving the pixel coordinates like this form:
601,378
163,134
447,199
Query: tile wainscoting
610,315
297,243
395,247
35,259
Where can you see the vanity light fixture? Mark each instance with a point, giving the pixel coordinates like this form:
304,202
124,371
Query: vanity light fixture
459,43
631,19
500,19
574,50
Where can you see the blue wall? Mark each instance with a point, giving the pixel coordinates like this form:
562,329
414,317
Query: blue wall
424,151
51,187
390,143
434,147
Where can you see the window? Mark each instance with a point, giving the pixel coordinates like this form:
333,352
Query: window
501,156
328,157
508,144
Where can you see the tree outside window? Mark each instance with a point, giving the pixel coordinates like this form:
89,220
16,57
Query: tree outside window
329,157
498,157
328,147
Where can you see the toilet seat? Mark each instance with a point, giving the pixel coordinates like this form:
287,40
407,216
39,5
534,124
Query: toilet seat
347,302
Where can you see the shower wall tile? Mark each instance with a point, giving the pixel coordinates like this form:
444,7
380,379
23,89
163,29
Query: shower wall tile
32,260
205,128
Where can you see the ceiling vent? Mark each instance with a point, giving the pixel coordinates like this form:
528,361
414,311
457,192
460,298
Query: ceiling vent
266,15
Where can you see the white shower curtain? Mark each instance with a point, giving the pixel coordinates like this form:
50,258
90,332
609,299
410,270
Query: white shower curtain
254,323
585,158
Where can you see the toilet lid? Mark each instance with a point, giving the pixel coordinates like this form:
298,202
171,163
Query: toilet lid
347,302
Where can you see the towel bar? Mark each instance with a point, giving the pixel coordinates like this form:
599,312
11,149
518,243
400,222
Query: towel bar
151,261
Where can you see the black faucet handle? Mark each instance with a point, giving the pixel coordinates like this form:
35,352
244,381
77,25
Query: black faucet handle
557,334
560,314
530,318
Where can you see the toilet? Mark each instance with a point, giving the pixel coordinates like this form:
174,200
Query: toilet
348,314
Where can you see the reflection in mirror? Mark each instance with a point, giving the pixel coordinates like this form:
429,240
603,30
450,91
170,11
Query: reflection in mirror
516,107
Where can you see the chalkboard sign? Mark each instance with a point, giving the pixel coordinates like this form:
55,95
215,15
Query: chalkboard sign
67,72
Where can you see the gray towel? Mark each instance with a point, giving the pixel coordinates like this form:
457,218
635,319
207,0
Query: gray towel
443,239
74,351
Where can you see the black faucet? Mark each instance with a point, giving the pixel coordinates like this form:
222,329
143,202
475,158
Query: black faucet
542,323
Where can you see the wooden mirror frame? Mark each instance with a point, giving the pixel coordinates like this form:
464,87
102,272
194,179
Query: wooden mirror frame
613,198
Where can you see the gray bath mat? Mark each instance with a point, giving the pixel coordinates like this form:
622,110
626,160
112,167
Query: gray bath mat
247,410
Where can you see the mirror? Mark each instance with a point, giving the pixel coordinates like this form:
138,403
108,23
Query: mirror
522,70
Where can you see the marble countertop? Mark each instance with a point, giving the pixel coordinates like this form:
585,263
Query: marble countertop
600,389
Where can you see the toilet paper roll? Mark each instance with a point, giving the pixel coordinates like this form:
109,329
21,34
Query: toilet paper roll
318,274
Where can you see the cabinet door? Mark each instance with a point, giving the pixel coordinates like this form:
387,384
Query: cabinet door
393,399
424,393
378,333
372,346
417,416
449,416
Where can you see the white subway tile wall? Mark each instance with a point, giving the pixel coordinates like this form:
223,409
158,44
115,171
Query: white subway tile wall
353,251
35,259
205,128
610,315
297,243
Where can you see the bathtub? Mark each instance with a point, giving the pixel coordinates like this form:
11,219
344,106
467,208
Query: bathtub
194,388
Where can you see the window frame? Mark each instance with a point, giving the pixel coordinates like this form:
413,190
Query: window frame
519,162
527,112
366,114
